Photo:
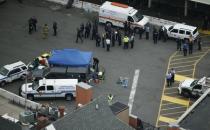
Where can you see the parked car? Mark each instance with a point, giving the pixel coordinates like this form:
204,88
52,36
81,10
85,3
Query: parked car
192,87
11,72
50,88
181,31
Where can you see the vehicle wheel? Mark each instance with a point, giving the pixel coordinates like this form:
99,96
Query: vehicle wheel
109,24
186,94
30,97
136,30
23,77
2,83
69,97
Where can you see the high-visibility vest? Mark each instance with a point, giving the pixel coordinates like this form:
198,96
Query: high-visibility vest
110,97
125,39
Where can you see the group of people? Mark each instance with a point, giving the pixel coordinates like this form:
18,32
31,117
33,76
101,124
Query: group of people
109,38
32,27
170,76
187,45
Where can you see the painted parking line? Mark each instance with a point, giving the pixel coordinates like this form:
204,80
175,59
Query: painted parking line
167,119
171,108
133,90
183,62
181,71
181,77
182,66
176,100
186,58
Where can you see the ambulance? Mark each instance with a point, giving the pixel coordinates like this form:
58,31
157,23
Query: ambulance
116,14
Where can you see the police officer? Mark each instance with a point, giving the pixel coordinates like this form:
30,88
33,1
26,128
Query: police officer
110,98
54,28
79,36
45,31
125,41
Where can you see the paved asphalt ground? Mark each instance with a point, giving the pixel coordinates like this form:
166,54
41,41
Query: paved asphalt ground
16,44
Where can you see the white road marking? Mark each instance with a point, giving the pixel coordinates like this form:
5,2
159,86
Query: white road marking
133,90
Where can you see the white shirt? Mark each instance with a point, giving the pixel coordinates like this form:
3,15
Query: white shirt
108,41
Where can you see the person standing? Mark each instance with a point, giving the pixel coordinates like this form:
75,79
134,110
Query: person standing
95,63
185,49
45,31
147,32
168,79
113,39
132,40
103,40
94,31
179,44
55,28
141,30
87,30
173,72
125,27
190,44
125,41
165,35
160,36
34,22
79,36
108,42
30,26
98,40
119,38
199,43
155,36
82,28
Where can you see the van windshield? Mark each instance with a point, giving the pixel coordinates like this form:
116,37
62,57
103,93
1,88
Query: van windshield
195,31
3,71
137,16
35,85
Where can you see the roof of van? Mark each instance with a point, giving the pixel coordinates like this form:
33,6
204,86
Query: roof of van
184,26
13,65
118,7
55,82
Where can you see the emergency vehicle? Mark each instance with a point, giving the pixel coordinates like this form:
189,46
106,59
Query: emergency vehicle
50,88
116,14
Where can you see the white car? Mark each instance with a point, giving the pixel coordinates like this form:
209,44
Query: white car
192,87
11,72
181,31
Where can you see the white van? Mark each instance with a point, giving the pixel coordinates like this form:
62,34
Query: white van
50,88
181,31
116,14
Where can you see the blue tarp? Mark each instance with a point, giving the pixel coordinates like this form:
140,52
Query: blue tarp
70,58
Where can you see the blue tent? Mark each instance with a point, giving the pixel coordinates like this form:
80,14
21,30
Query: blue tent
70,58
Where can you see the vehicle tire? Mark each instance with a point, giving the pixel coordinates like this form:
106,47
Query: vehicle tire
136,30
30,97
186,94
23,77
2,83
109,24
69,97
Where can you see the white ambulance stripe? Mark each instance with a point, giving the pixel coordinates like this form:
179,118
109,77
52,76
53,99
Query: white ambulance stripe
133,90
